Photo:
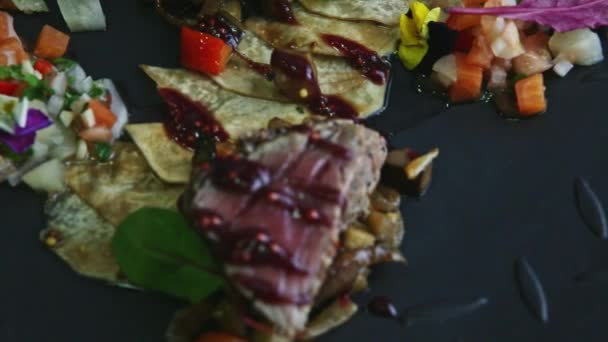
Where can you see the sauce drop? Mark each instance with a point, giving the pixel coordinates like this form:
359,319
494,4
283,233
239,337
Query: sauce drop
371,65
383,307
281,10
187,122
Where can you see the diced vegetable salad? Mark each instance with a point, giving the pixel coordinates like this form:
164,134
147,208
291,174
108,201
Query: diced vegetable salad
508,56
50,109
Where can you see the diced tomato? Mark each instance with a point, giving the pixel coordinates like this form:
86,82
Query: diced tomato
461,22
203,52
530,93
7,29
481,53
464,41
103,115
8,87
11,51
219,337
43,66
51,43
468,83
96,134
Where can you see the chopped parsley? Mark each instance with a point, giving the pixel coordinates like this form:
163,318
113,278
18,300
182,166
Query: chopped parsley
64,64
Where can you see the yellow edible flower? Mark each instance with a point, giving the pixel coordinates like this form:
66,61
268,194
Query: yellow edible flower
415,32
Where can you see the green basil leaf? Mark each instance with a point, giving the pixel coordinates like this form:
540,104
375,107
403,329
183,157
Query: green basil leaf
157,250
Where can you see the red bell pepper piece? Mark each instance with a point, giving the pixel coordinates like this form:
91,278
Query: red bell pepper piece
43,66
8,87
203,52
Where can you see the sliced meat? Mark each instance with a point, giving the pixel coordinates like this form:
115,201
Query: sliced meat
275,215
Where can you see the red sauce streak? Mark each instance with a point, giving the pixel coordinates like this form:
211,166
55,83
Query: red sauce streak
296,77
362,58
188,122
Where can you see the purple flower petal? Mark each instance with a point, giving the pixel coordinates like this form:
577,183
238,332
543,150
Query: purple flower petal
18,144
36,120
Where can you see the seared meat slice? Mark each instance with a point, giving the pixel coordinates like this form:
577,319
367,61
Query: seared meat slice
275,215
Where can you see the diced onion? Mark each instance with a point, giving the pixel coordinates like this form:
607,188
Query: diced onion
117,107
83,15
582,46
59,83
562,67
55,104
446,69
76,74
85,85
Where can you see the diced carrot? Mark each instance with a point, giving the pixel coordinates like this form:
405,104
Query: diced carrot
11,51
473,3
51,43
461,22
530,93
103,115
468,82
7,29
481,53
464,41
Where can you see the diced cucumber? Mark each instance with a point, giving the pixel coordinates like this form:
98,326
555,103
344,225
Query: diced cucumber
66,117
88,118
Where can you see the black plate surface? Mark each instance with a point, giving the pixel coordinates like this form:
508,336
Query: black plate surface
503,190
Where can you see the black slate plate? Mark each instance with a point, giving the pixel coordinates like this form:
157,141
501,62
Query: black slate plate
503,191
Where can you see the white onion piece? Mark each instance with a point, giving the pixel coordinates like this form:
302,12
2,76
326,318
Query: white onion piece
59,83
498,78
82,15
85,85
562,67
76,74
118,108
78,105
82,151
446,70
30,6
582,46
55,104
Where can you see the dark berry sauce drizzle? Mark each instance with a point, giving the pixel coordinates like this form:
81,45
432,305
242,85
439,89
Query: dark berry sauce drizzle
188,122
371,65
296,78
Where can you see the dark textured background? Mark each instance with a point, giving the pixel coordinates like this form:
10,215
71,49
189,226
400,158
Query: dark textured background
502,190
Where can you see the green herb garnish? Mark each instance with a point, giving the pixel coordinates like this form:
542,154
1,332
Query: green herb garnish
157,250
64,64
103,151
96,91
37,89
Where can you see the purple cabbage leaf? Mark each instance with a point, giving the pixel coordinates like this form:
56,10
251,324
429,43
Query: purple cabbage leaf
562,15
